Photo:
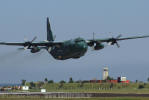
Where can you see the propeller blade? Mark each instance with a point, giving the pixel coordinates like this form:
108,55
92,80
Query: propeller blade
114,41
117,45
30,42
25,39
25,48
119,36
34,39
20,48
54,37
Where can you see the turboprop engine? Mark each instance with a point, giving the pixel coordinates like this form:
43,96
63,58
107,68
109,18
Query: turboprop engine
98,46
35,49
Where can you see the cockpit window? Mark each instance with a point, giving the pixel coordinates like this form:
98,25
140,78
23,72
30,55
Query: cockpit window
79,40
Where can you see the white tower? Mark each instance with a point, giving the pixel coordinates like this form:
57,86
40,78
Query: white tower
105,73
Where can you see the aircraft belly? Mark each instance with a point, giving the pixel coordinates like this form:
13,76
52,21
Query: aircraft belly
68,50
63,54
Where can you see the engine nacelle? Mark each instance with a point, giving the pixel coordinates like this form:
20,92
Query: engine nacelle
35,49
98,46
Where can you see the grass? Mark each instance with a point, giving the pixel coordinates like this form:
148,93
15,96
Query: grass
87,87
111,98
94,87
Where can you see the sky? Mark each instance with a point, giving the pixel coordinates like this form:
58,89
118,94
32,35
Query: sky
71,19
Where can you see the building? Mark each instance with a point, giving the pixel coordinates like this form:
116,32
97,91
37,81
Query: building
123,78
108,80
43,90
25,88
105,73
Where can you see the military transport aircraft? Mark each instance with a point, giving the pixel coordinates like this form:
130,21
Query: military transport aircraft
74,48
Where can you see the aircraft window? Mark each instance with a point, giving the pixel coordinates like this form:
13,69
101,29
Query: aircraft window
79,40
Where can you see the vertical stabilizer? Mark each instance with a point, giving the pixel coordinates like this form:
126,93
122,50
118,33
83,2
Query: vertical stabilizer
49,31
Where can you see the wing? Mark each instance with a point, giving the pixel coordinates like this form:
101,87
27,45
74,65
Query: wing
112,41
116,39
136,37
46,44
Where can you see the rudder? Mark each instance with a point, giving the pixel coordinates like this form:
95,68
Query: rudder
49,31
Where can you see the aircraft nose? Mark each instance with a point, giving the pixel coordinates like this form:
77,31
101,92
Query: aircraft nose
83,46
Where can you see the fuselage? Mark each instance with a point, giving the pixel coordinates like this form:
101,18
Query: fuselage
74,48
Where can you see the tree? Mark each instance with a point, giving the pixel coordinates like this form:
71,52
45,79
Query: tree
109,78
141,86
32,84
23,82
50,81
40,84
79,81
70,80
148,79
62,81
81,84
45,80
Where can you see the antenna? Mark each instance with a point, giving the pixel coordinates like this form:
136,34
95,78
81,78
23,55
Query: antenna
93,36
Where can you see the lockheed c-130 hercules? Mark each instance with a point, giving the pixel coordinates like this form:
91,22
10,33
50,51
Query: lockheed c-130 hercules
74,48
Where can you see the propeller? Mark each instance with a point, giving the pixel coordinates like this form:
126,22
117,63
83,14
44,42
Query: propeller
33,39
28,43
114,41
54,37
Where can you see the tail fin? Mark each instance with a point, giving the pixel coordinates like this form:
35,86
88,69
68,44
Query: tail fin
49,31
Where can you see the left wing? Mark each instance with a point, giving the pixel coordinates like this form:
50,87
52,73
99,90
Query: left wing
117,39
113,41
135,37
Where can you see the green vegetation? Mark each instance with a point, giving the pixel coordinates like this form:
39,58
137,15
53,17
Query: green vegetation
84,86
32,85
23,82
45,80
50,81
110,78
70,80
62,86
108,98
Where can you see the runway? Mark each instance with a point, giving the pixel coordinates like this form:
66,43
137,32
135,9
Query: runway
72,95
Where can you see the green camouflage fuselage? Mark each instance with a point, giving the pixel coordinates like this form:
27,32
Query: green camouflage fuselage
70,49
